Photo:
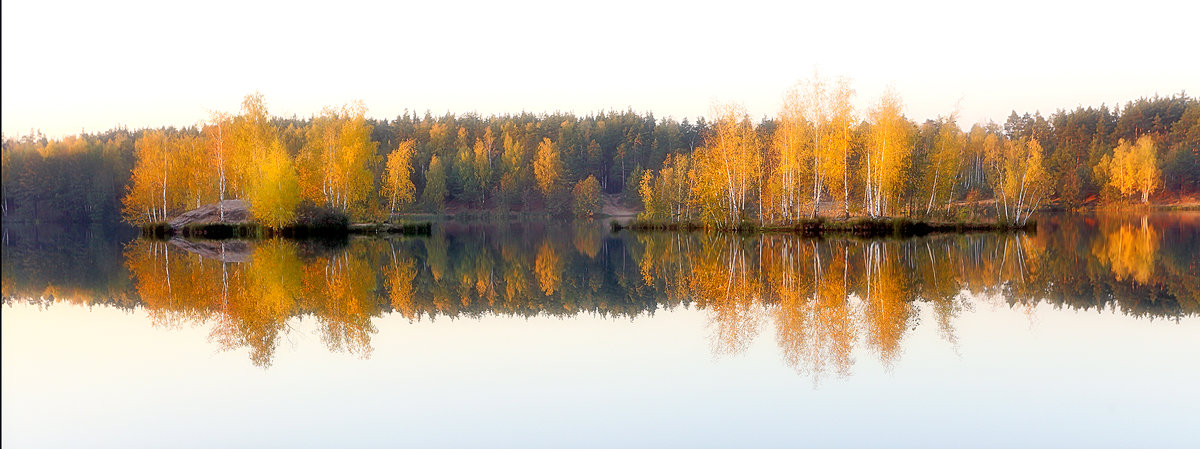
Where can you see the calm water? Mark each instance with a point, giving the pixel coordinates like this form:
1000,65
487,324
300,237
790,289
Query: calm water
1086,334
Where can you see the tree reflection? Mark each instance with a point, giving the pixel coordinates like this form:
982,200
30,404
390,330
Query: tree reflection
722,283
886,301
825,302
398,276
813,317
1128,250
548,268
341,291
261,300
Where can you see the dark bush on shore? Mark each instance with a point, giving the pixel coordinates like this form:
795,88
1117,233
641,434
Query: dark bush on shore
315,221
159,230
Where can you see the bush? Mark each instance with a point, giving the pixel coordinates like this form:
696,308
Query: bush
586,195
313,220
160,230
311,215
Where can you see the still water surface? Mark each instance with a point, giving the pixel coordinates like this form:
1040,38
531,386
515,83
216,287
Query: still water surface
1085,334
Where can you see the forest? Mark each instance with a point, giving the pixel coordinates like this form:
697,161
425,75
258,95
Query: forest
818,156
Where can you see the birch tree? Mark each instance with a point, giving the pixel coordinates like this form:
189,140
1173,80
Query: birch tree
219,141
887,154
730,167
397,177
1019,180
945,161
836,155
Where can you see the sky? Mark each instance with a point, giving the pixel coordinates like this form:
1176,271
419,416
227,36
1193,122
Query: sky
71,66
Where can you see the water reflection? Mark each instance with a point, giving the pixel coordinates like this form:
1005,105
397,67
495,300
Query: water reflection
1128,250
824,297
824,300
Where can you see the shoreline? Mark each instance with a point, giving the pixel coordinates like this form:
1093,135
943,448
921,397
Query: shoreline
857,227
248,230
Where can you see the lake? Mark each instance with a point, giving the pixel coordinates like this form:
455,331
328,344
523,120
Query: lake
1083,334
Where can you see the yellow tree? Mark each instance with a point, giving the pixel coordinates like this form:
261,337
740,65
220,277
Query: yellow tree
836,154
1020,180
945,160
269,179
397,176
1147,175
340,157
665,195
195,173
729,167
315,163
274,197
790,159
653,204
356,158
547,168
146,197
815,109
1133,168
810,148
887,154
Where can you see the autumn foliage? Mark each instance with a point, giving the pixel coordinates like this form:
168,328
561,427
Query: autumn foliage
818,156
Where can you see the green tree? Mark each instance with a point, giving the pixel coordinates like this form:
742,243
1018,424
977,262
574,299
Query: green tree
434,195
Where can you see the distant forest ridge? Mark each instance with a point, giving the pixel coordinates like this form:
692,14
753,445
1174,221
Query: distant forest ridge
816,151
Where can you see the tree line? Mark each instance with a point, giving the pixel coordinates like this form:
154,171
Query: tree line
817,156
820,157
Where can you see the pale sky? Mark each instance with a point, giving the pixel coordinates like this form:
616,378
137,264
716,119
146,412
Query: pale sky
75,65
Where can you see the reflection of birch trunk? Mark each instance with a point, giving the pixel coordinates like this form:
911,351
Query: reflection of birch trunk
1019,253
845,267
224,278
932,264
818,273
933,191
167,265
